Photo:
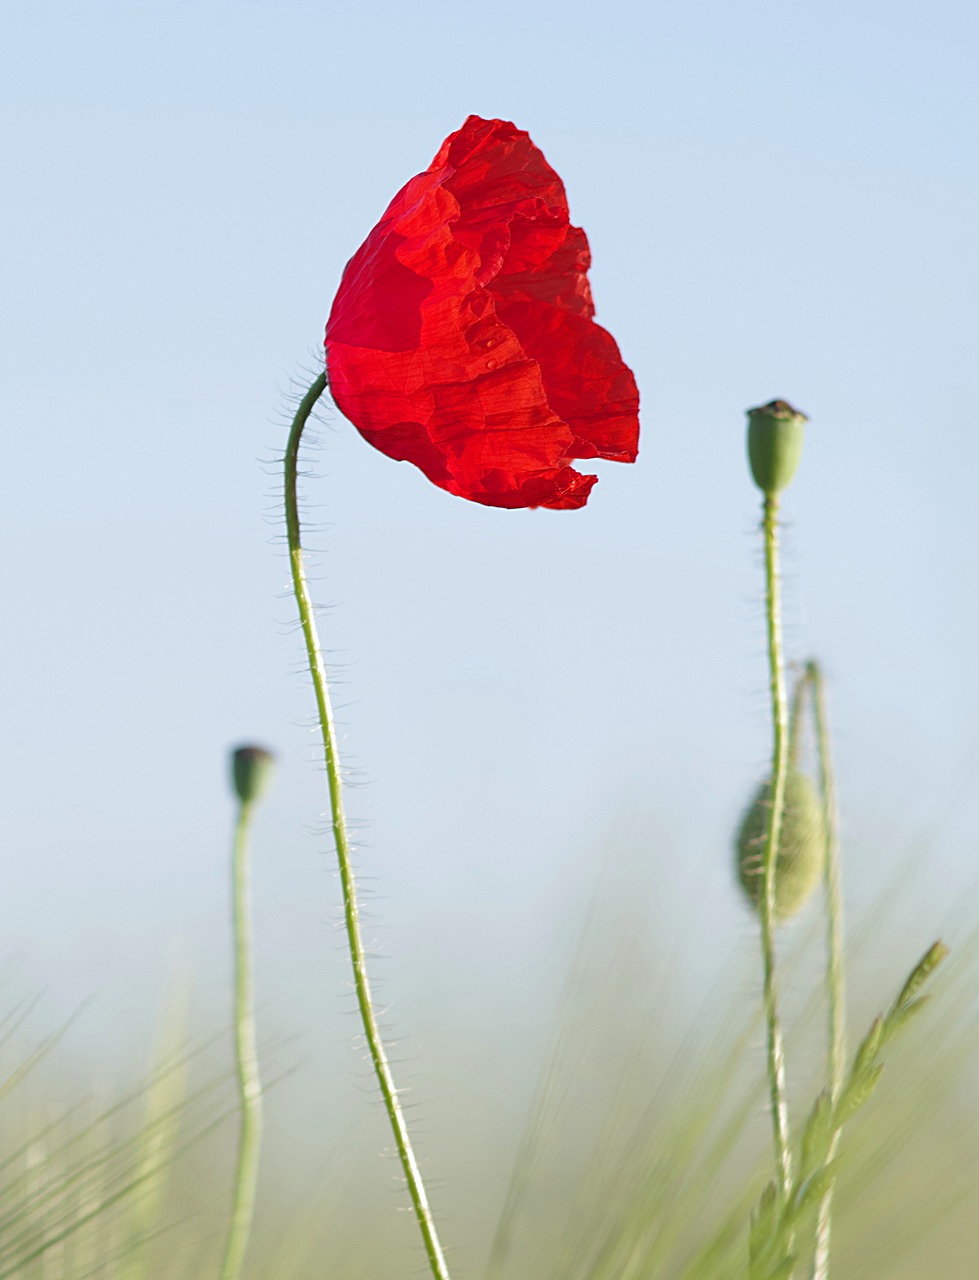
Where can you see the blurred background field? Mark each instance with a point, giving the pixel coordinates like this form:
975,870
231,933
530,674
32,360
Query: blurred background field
781,200
636,1152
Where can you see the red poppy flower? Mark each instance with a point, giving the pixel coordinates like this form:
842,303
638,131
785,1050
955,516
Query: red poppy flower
461,338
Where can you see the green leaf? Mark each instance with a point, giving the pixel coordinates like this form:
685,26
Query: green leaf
784,1268
900,1017
868,1050
817,1135
814,1188
763,1222
856,1094
922,971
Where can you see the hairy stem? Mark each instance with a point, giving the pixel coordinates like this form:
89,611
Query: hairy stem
780,763
358,959
835,982
246,1059
800,694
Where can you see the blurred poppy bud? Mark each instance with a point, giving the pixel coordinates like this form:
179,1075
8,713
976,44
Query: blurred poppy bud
799,863
775,435
251,772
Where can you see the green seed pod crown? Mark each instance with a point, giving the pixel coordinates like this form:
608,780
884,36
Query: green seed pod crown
799,863
775,435
251,772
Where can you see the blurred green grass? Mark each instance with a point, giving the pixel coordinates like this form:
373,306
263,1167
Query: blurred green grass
644,1150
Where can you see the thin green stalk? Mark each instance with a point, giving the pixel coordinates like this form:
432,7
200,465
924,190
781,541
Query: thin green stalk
358,959
800,692
780,764
835,982
246,1059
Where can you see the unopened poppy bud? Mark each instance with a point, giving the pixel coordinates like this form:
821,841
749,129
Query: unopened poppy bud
801,845
251,772
775,435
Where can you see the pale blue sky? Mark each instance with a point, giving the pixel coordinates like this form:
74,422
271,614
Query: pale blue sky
782,200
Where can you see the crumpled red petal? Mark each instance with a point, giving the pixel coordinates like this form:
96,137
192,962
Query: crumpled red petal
461,338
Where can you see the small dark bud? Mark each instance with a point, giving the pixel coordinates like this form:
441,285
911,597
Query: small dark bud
775,435
251,772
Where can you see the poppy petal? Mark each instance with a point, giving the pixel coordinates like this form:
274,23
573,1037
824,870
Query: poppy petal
461,337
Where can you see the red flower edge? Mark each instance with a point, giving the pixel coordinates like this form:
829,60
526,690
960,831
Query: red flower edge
461,338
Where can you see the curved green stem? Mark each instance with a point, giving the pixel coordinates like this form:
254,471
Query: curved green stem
358,959
780,763
246,1059
835,982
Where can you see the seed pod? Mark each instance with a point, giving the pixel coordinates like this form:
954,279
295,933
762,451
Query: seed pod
802,842
251,772
775,435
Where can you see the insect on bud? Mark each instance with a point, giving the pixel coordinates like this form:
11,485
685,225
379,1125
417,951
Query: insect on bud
775,435
251,772
801,845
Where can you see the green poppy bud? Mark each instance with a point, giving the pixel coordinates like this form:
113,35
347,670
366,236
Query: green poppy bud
775,435
251,772
802,843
